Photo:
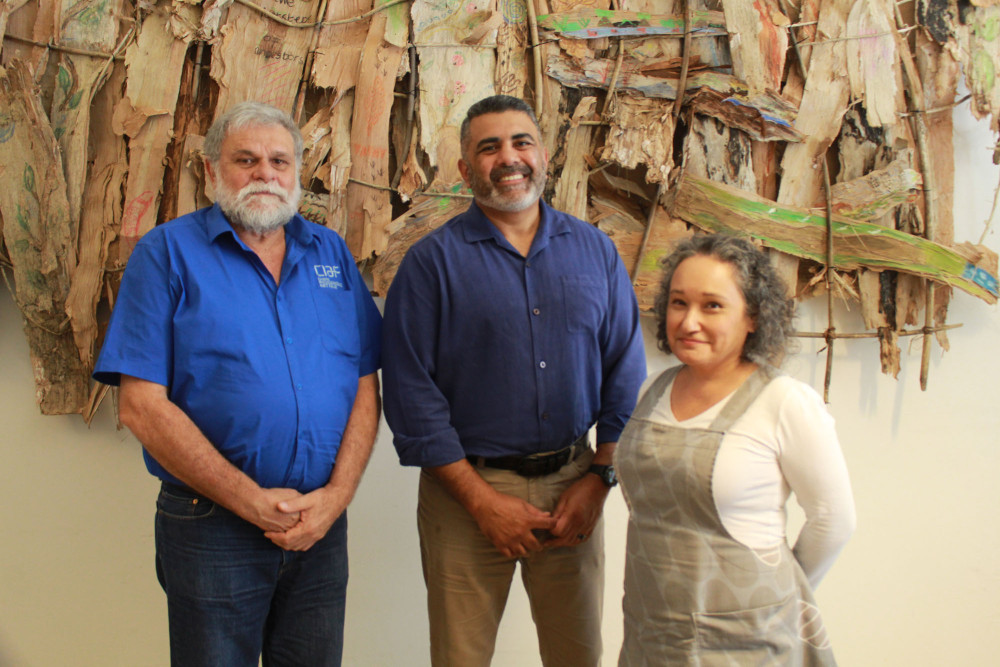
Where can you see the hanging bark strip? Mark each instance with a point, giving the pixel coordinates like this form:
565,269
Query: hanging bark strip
146,115
647,233
798,232
100,219
757,45
571,183
79,80
939,71
369,210
453,76
335,64
512,41
39,236
260,59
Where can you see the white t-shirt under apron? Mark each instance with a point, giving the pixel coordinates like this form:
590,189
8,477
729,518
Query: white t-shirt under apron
785,442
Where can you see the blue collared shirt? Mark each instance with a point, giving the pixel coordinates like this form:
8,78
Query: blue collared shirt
490,353
267,371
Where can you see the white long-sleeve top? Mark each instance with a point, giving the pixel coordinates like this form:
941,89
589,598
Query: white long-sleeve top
785,442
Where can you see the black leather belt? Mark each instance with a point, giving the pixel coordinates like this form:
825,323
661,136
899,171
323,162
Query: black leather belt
534,465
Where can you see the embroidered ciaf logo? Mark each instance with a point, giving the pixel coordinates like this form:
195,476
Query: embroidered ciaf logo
328,276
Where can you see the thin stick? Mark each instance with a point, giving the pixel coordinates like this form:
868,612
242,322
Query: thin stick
831,331
915,88
536,58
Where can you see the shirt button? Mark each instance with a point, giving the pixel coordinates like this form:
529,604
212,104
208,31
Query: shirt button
288,340
545,416
536,311
299,387
541,365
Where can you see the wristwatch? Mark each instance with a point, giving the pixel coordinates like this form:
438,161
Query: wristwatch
606,473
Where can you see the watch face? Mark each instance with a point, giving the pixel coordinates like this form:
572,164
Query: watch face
606,473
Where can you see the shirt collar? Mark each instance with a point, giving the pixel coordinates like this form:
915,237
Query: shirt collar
297,228
478,227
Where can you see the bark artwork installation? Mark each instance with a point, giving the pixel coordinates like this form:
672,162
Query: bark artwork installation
820,128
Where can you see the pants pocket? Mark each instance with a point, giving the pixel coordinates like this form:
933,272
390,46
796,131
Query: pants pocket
179,504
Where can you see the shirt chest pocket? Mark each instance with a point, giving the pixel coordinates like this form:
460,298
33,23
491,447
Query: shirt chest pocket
337,322
585,299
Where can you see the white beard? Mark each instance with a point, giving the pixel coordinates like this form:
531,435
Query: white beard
259,215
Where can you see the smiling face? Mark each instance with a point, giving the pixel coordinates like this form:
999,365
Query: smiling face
503,162
707,322
256,178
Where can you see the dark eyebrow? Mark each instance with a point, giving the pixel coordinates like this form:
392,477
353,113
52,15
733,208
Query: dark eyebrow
516,137
487,140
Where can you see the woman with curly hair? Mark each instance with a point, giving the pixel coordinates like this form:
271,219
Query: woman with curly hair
713,450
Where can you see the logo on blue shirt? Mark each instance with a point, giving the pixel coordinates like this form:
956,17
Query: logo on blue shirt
328,276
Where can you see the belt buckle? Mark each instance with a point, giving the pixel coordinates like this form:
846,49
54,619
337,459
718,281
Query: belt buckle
541,466
529,467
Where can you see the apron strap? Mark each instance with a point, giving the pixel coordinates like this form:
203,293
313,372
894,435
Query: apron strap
652,395
744,396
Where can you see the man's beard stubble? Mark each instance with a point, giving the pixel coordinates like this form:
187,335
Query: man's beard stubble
488,194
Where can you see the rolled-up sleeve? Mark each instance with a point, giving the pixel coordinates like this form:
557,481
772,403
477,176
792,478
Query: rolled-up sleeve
623,356
416,410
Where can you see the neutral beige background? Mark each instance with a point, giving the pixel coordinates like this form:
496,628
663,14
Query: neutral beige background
918,584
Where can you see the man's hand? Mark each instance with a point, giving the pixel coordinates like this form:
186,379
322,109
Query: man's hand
314,513
508,523
577,511
266,514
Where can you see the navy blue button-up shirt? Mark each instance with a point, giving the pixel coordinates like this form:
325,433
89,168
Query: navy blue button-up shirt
490,353
267,371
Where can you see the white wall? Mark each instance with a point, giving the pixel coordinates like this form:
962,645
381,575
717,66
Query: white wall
918,584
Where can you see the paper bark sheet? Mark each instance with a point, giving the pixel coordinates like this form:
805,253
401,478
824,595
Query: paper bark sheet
369,209
260,59
145,115
107,103
40,239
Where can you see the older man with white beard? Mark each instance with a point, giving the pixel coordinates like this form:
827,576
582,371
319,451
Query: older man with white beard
246,345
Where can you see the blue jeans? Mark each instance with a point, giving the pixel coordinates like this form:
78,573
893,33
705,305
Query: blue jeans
233,595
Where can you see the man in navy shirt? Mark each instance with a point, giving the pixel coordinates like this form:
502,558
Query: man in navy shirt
246,346
509,332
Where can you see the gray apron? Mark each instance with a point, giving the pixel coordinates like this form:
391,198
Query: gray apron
693,594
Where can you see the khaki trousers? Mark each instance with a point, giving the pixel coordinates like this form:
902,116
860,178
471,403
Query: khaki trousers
468,580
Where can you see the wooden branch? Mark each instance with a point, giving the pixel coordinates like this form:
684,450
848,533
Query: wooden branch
589,23
720,208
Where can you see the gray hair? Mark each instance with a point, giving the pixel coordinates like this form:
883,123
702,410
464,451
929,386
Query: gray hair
248,114
494,104
767,301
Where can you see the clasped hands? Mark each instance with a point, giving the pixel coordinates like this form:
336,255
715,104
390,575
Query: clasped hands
518,528
295,521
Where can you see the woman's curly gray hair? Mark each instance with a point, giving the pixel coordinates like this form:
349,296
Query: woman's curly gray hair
765,294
